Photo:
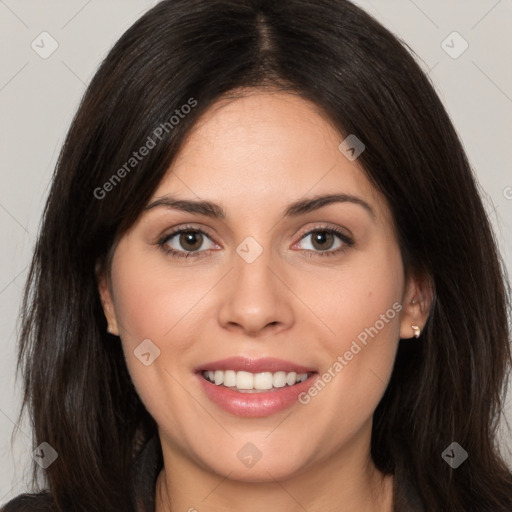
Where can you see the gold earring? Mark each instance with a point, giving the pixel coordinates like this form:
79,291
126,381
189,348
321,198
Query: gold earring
417,331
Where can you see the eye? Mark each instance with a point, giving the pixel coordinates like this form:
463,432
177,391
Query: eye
184,242
323,241
189,242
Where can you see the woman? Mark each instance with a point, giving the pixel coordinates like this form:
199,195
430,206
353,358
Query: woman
265,279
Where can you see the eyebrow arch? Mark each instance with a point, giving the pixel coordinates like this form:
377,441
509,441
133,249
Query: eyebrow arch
303,206
295,209
191,206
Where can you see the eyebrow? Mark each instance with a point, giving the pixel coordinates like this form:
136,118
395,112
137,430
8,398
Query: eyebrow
295,209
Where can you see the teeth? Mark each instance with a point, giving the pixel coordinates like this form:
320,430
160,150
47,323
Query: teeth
263,380
219,377
229,378
279,379
246,381
291,378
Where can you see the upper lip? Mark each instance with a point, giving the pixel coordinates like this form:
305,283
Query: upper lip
252,365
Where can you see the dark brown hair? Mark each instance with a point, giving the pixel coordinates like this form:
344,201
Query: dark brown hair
449,386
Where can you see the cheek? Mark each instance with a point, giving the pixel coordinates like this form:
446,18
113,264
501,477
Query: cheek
361,307
357,296
157,302
152,298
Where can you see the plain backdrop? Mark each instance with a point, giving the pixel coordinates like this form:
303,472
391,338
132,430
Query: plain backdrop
39,94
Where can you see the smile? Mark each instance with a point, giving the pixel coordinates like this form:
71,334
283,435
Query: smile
254,388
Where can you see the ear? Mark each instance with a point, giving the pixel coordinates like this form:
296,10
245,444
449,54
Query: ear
107,302
417,302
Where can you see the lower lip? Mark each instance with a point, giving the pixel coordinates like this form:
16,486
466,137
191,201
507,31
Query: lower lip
254,405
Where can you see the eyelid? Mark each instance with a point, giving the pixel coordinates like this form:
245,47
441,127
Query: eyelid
169,232
347,241
163,239
326,227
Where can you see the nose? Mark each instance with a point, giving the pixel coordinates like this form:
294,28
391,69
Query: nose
256,300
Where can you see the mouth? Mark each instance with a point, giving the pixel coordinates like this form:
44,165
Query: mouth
254,387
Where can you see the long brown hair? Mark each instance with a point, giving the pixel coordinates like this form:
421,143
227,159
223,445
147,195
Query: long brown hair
448,387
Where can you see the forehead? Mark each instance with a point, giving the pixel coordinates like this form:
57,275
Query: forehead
264,147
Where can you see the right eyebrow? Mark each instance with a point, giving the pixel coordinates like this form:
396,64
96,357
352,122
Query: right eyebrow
191,206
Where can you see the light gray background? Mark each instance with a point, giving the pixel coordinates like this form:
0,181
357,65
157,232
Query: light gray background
38,98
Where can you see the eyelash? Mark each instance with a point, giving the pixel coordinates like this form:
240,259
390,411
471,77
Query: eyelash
162,243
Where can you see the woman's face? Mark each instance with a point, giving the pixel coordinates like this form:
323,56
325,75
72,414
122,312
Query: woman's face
269,285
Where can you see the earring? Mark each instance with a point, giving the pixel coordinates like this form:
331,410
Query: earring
417,331
110,330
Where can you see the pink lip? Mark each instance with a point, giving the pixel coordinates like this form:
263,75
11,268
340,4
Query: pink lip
254,405
265,364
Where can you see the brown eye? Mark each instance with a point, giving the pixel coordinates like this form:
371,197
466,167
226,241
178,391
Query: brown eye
191,240
325,241
186,242
322,240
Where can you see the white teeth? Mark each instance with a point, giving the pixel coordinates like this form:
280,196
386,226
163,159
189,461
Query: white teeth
247,381
279,379
229,378
291,378
244,380
219,377
263,380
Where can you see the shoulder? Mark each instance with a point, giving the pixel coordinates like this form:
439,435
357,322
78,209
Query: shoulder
40,502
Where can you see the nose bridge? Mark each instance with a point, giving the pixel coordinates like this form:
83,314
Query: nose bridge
253,278
256,298
252,268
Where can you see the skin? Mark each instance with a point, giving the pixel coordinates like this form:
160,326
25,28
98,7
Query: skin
255,155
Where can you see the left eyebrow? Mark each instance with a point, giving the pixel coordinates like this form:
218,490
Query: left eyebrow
303,206
295,209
